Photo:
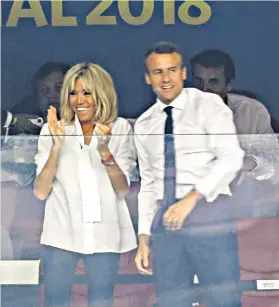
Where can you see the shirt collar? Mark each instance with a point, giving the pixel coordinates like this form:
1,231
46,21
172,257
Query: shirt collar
177,103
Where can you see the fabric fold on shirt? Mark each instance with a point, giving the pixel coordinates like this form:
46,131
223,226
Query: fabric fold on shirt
89,190
91,201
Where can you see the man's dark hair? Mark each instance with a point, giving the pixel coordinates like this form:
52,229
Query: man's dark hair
214,58
162,48
47,69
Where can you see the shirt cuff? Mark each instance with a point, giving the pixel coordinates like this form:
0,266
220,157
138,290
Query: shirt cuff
144,229
199,195
204,189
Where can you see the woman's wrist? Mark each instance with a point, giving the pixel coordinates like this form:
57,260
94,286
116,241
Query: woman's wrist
56,149
108,160
105,155
103,149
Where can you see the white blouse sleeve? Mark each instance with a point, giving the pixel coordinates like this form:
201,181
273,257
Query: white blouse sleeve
44,148
122,147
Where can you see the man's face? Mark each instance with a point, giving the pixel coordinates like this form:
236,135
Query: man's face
165,75
211,80
48,91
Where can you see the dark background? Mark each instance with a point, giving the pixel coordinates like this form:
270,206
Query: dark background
248,31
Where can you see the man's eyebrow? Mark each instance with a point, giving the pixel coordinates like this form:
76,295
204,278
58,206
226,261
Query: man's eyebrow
172,67
168,68
156,69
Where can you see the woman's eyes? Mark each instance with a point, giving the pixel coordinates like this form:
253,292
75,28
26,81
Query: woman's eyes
74,93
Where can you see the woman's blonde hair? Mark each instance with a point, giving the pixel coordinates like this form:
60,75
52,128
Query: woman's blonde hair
99,83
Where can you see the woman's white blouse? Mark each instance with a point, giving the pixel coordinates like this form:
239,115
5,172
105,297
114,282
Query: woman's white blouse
86,218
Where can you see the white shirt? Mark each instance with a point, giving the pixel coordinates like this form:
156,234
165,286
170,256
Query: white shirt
64,226
256,137
250,115
208,155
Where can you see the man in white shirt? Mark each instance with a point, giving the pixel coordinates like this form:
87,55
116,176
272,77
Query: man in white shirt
186,234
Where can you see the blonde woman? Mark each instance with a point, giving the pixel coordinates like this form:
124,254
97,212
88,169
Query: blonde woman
83,166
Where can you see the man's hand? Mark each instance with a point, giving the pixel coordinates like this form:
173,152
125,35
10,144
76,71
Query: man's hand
249,164
142,257
176,214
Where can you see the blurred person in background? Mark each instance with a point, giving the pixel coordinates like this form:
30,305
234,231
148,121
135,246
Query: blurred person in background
213,71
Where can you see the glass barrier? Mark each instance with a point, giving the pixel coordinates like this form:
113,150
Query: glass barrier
243,201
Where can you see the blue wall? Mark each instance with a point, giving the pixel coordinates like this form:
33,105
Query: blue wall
249,31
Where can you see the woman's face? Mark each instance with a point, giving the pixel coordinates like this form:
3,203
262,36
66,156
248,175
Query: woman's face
82,102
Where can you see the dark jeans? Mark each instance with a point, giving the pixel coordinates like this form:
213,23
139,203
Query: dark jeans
207,246
178,256
59,266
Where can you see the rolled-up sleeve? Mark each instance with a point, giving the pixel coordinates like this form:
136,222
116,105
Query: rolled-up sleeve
223,142
147,205
44,148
